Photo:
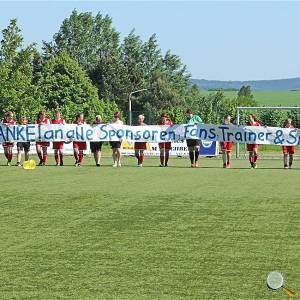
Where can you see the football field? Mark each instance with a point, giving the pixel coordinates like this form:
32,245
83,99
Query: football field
148,233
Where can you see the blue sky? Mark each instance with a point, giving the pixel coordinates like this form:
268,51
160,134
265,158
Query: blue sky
216,40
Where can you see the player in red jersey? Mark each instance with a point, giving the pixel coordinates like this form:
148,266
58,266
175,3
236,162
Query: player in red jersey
58,146
116,145
288,151
253,148
226,146
139,147
164,147
42,147
78,146
8,146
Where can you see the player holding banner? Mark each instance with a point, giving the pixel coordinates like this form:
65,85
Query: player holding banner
288,151
78,146
116,145
139,147
23,145
58,146
8,146
193,144
253,148
41,147
226,146
165,147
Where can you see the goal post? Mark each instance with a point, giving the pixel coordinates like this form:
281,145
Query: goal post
241,109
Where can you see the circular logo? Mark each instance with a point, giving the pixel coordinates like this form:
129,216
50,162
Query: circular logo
205,144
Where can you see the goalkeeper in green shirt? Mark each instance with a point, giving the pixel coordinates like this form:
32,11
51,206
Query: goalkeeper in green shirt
193,144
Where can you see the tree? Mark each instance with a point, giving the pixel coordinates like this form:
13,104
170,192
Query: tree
65,86
17,93
94,44
245,97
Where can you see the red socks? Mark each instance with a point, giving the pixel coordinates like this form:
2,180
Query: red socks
44,154
76,155
80,156
162,159
255,158
56,156
9,156
40,155
141,159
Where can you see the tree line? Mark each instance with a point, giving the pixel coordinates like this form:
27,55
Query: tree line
86,67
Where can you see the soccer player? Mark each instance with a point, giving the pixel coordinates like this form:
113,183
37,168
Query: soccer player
253,148
226,146
78,146
96,147
42,147
288,151
58,146
164,147
8,146
193,144
140,147
23,145
116,145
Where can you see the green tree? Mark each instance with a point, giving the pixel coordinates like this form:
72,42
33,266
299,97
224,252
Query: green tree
94,44
17,93
64,85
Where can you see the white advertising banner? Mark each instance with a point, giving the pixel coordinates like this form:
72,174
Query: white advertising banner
151,133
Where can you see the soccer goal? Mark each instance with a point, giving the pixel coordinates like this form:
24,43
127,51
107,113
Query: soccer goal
269,115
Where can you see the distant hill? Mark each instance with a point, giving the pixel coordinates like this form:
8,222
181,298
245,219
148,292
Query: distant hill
256,85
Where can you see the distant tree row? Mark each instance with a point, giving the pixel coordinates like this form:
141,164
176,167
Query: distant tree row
87,68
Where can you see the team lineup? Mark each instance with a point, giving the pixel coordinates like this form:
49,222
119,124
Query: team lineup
139,146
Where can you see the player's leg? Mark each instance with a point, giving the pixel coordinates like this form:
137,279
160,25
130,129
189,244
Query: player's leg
26,154
61,156
197,152
228,156
38,148
137,155
167,155
291,156
251,158
5,151
19,154
255,156
291,159
26,147
224,154
45,154
8,154
56,157
250,151
97,157
114,157
118,156
141,157
80,157
76,153
192,156
285,157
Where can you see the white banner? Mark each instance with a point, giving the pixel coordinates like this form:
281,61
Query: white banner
151,133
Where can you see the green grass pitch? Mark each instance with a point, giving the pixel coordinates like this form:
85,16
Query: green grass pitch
148,233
